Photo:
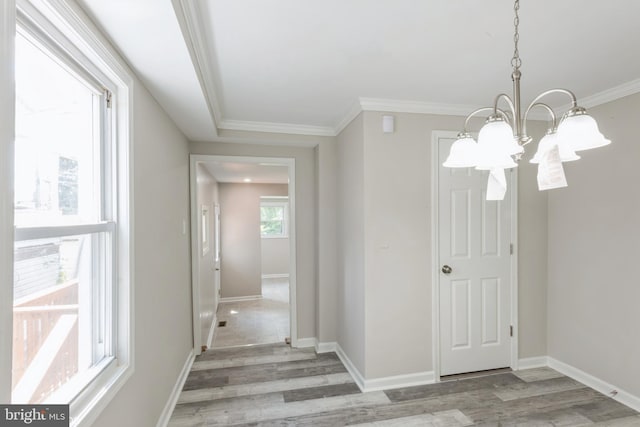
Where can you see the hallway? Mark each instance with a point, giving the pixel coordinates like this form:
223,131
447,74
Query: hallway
259,321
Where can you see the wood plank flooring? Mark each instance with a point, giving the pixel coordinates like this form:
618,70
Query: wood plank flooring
275,385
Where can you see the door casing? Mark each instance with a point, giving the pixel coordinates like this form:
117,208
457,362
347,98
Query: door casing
512,185
290,163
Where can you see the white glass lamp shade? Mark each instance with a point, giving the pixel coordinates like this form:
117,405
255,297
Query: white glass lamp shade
548,142
581,132
463,153
496,145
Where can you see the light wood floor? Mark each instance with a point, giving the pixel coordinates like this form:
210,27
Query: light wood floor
275,385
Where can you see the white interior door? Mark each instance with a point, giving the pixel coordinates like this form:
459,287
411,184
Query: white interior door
475,271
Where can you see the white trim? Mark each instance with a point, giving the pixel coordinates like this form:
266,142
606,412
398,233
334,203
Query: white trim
513,183
240,299
194,159
612,94
351,368
268,139
353,112
189,19
212,330
532,362
435,257
597,384
399,381
84,39
7,112
33,233
165,416
270,127
304,343
276,276
421,107
195,256
326,347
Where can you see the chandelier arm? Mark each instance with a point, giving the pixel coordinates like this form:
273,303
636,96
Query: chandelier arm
554,120
482,110
574,100
509,102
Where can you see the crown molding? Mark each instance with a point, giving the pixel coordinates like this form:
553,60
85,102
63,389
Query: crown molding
271,127
420,107
612,94
189,19
353,112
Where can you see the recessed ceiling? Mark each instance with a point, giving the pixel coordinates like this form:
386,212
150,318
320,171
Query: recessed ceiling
256,173
308,66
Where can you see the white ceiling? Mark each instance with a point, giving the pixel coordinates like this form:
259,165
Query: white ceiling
308,67
258,173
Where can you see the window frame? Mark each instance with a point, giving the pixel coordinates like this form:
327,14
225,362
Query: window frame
74,34
281,202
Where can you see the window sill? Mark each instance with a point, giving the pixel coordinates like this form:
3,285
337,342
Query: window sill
86,408
274,237
89,393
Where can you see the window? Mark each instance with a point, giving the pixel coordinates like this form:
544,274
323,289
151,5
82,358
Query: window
71,287
274,217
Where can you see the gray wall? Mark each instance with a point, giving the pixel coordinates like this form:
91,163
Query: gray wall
384,246
305,212
594,242
275,256
241,246
351,244
207,190
326,241
162,301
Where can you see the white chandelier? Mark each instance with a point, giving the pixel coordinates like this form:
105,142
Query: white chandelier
502,139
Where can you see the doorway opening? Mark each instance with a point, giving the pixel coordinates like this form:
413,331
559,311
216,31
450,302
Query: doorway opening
250,281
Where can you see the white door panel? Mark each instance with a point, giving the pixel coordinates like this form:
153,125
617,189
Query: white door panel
474,240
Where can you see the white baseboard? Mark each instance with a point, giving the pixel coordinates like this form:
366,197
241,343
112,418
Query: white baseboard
325,347
603,387
398,381
385,383
533,362
238,299
212,329
304,343
353,371
276,276
175,393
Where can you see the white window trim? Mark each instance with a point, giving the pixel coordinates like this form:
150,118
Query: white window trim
277,202
7,112
82,39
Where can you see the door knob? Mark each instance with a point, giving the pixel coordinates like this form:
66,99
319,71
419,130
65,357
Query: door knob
446,269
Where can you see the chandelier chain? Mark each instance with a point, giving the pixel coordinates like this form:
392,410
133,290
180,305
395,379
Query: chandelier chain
516,62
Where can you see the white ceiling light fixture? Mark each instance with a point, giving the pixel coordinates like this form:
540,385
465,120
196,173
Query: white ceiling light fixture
503,137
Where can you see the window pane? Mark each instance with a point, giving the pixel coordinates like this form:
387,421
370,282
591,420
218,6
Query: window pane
56,163
56,327
271,213
272,228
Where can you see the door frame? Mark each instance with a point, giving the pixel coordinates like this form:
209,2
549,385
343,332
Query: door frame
435,254
290,163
